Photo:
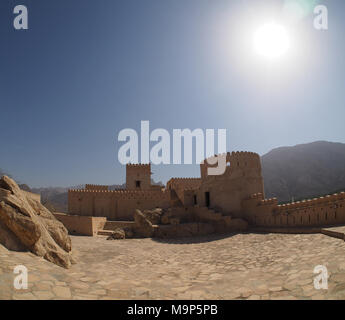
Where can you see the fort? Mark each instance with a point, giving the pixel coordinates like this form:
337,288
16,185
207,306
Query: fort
233,201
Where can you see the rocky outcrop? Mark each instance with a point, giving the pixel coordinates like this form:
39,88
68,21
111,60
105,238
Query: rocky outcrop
143,227
117,234
154,216
25,224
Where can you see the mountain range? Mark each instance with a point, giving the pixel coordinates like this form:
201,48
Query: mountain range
304,171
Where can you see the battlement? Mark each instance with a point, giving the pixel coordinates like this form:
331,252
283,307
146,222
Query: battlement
184,183
235,161
121,194
240,155
271,201
143,167
313,202
96,187
257,196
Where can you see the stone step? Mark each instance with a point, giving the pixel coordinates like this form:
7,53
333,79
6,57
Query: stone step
113,225
334,232
104,232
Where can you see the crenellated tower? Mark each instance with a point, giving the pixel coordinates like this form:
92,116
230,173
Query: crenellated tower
241,178
138,176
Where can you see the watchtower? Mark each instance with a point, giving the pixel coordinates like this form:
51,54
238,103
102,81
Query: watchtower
138,176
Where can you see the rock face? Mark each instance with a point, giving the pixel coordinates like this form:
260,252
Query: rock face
25,224
154,216
143,227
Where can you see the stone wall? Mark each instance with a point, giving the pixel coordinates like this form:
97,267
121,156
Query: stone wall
81,225
323,211
226,192
115,204
138,173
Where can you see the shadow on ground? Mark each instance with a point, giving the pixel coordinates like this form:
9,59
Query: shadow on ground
198,239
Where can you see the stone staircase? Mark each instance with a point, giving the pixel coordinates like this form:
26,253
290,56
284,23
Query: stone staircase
222,222
206,214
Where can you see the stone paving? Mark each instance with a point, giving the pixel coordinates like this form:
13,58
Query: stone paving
242,266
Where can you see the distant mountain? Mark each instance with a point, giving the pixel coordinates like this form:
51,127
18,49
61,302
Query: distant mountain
304,171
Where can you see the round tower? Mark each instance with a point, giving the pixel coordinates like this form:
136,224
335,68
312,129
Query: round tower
239,179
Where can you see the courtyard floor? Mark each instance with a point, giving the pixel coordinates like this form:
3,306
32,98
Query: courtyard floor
242,266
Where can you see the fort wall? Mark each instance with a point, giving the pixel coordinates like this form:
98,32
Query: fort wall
115,204
323,211
81,225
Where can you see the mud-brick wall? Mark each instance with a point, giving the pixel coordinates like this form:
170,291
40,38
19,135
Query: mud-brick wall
324,211
115,204
80,225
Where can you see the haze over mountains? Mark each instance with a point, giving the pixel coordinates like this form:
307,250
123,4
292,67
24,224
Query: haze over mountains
298,172
304,171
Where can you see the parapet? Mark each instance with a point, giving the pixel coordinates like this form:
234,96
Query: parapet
122,194
96,187
184,183
139,167
259,196
270,201
314,202
237,160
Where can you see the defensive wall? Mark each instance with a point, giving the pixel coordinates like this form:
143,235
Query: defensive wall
115,204
81,225
317,212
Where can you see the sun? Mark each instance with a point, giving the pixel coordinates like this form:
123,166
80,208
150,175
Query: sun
271,40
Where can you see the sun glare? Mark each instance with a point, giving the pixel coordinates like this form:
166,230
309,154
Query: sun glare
271,40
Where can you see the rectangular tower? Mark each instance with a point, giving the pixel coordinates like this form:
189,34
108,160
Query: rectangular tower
138,176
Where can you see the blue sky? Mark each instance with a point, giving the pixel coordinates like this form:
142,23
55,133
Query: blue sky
87,69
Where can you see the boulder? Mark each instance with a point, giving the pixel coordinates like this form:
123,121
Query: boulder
117,234
25,224
129,233
154,216
143,227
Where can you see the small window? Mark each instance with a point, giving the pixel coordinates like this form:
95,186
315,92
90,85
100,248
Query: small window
137,184
207,199
195,200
